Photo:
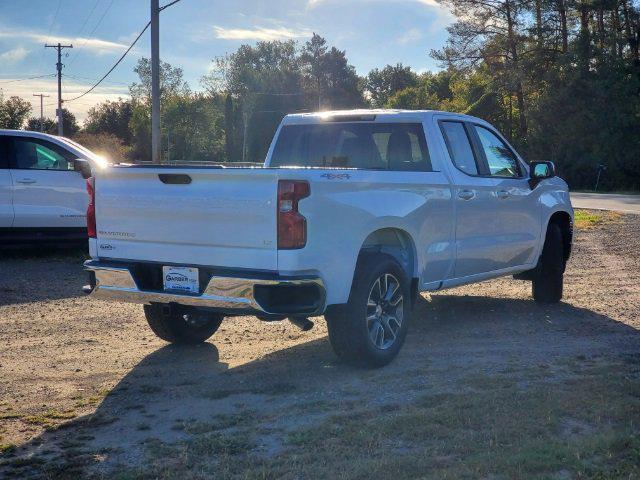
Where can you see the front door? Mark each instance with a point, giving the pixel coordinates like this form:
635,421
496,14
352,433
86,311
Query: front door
517,206
47,190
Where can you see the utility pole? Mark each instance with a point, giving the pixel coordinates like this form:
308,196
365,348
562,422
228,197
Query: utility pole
59,47
155,81
42,96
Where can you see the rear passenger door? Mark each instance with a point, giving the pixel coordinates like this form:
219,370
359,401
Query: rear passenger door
6,200
47,190
477,246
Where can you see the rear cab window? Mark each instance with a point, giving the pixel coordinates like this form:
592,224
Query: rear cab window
360,145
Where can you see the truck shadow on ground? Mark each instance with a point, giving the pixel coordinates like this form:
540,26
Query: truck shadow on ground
175,392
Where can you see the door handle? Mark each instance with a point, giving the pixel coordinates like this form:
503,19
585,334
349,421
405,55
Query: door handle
466,194
502,194
26,181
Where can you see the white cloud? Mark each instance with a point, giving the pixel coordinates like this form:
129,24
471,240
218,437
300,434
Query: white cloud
14,55
443,16
96,45
259,33
410,36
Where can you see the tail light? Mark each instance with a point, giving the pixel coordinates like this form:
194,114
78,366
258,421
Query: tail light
292,226
91,208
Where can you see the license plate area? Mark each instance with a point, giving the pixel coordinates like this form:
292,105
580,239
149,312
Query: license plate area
180,279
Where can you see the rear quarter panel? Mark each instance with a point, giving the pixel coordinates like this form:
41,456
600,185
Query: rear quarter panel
346,206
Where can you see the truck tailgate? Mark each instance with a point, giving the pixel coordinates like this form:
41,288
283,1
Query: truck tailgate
221,217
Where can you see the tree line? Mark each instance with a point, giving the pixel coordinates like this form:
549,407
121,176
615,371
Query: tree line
559,78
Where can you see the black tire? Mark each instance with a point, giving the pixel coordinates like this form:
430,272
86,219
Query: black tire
350,331
548,280
172,326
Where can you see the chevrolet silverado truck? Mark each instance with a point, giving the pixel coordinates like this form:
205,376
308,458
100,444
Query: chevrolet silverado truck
351,216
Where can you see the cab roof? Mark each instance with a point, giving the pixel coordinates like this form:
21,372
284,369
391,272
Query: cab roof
369,115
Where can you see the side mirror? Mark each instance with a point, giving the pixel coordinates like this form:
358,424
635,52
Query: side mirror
541,171
83,166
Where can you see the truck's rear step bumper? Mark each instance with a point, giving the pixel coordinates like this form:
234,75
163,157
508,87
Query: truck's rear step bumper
255,293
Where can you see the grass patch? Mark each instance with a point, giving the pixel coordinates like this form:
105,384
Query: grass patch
586,219
58,415
500,429
615,192
48,419
150,389
91,401
9,415
274,389
220,421
583,425
7,448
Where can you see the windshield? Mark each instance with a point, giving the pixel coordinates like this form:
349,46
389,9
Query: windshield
372,146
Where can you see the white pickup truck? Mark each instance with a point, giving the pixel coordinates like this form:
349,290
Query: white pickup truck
352,214
42,187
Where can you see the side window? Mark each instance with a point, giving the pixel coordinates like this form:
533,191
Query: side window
4,153
459,147
35,154
403,147
501,160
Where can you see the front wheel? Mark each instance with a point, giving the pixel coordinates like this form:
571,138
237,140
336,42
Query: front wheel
178,327
548,281
370,329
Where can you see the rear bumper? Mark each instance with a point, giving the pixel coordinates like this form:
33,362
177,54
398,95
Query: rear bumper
233,294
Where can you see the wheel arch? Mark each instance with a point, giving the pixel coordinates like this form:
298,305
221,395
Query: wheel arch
395,242
565,221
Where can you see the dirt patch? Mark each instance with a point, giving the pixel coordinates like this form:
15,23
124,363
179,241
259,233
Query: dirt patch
489,384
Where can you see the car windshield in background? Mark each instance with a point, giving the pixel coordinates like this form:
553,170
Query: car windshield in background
368,146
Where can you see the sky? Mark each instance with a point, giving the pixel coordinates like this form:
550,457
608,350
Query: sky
374,33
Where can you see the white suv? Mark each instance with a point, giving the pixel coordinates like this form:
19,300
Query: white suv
42,187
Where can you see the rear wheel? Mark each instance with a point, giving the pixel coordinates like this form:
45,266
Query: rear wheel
174,326
548,281
370,329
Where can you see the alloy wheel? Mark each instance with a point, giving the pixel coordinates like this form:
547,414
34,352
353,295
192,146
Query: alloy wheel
384,311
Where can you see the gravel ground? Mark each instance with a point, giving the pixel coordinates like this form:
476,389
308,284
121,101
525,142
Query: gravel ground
86,385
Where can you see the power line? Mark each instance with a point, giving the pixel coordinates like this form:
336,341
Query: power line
55,17
277,94
86,20
92,31
100,19
29,78
114,66
80,77
53,21
169,4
